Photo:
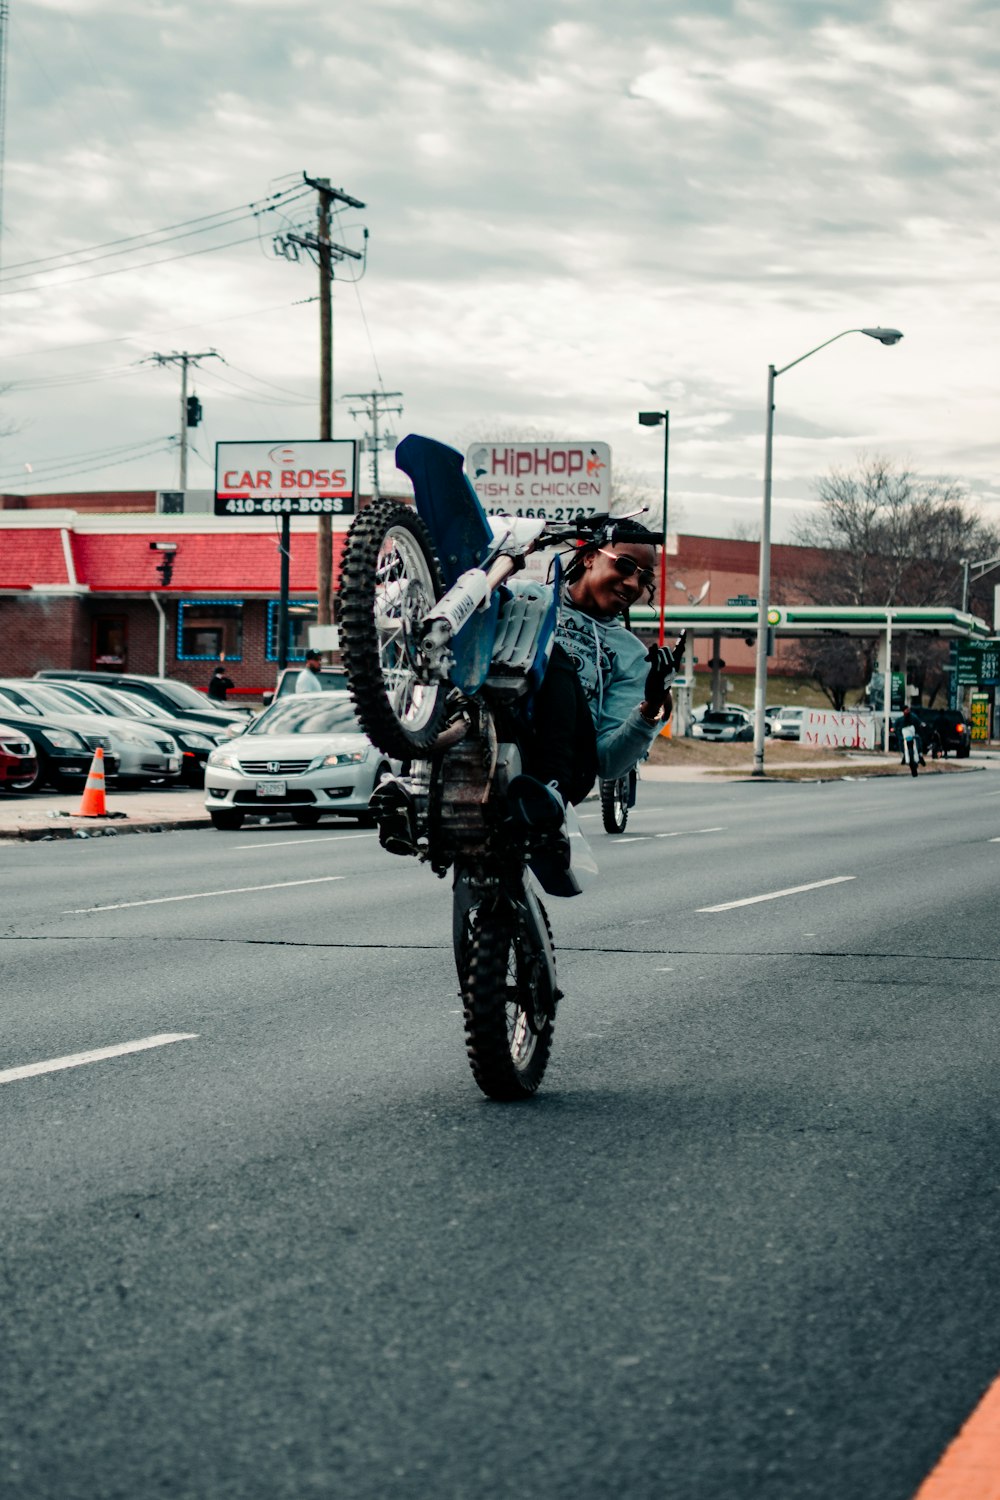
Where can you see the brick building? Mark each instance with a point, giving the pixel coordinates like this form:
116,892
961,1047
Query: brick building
83,584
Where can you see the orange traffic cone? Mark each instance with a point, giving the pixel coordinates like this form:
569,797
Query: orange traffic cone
92,803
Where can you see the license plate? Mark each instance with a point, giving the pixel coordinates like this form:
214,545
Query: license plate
271,788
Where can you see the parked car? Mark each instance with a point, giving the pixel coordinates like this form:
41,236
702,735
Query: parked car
788,724
65,754
175,697
304,755
333,679
195,741
953,730
143,755
18,761
723,724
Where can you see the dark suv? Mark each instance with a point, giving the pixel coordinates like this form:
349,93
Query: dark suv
952,727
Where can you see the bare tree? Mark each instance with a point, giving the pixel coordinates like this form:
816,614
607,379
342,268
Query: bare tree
889,538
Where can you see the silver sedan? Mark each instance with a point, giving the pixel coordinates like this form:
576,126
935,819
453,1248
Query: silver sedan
304,756
143,755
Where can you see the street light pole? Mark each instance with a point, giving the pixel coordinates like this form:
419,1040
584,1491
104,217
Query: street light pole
653,419
884,336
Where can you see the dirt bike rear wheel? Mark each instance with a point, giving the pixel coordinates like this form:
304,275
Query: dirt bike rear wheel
507,1042
389,579
615,804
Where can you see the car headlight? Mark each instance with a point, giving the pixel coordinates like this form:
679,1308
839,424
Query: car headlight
196,741
345,758
66,739
222,758
129,737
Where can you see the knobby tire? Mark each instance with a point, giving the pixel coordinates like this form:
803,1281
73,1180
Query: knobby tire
614,804
393,730
507,1055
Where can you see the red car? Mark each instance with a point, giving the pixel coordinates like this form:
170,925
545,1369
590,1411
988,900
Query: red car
18,761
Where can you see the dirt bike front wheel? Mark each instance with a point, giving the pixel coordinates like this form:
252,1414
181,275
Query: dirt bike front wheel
389,580
508,1032
615,801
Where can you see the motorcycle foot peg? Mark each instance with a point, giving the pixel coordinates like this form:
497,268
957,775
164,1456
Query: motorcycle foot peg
392,808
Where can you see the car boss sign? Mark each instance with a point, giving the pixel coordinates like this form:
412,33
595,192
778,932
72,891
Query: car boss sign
556,480
285,479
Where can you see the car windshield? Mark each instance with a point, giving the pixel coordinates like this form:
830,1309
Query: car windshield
308,714
16,699
119,700
183,695
718,717
60,701
792,713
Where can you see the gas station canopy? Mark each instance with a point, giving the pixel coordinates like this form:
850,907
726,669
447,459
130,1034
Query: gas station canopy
813,619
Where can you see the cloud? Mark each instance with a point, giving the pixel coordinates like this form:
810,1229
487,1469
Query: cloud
574,213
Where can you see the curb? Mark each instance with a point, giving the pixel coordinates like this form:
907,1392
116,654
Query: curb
101,830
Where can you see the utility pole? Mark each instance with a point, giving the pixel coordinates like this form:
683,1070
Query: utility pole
184,360
375,405
4,28
324,253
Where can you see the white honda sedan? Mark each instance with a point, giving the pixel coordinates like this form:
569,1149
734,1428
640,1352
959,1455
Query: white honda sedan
306,755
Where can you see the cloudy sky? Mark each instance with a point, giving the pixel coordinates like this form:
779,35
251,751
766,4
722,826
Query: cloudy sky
575,209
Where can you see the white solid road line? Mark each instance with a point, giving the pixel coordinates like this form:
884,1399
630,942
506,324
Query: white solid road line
792,890
326,838
78,1059
237,890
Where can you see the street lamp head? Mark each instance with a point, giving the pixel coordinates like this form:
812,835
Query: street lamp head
651,418
884,335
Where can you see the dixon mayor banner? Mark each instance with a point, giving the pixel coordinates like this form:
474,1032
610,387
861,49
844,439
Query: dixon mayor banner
559,481
294,479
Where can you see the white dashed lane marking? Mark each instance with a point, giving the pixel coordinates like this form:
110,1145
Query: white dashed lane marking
79,1059
237,890
792,890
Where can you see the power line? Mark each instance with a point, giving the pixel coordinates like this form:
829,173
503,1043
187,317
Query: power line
137,338
142,265
67,467
154,237
187,419
375,406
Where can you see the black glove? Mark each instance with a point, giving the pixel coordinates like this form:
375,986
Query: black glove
662,671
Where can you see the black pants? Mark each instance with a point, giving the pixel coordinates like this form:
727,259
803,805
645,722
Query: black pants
559,741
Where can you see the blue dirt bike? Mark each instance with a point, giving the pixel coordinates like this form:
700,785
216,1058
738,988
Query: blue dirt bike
444,649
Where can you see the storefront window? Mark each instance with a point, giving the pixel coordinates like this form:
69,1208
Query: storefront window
210,629
301,614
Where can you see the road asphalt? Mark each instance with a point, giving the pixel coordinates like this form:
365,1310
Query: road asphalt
54,815
262,1239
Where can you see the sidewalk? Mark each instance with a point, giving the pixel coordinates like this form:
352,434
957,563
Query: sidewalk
854,762
51,815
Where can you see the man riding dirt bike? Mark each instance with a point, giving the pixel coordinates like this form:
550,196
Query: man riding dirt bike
504,702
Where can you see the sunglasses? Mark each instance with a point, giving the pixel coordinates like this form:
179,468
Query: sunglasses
627,567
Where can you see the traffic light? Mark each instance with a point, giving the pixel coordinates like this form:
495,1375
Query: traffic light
166,569
193,411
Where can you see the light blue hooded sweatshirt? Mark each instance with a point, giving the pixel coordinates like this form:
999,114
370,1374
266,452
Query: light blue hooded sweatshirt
611,664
